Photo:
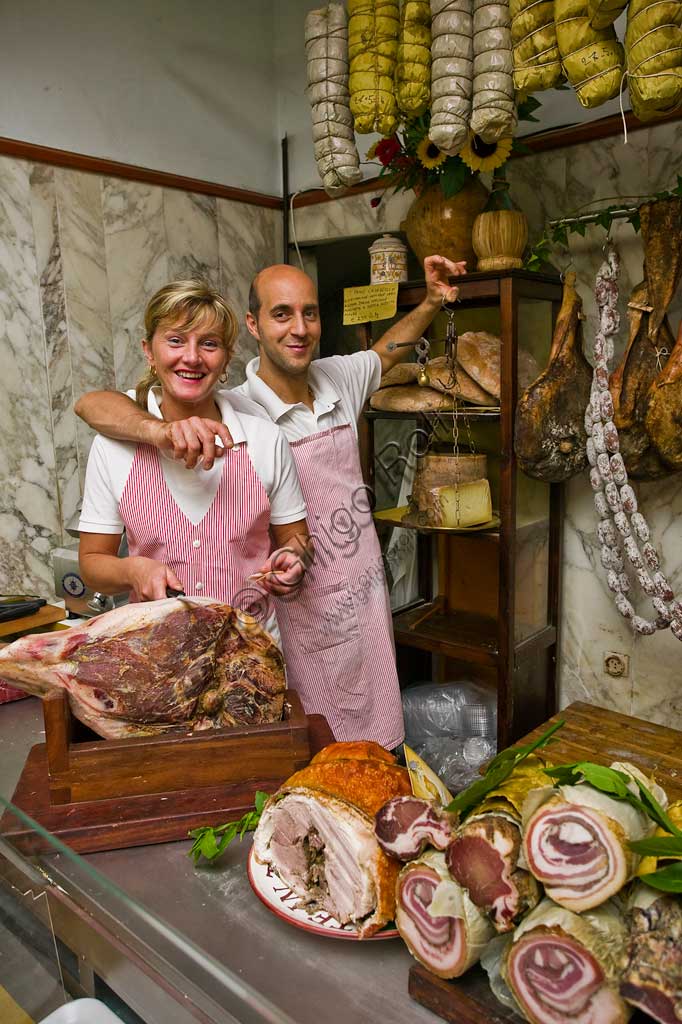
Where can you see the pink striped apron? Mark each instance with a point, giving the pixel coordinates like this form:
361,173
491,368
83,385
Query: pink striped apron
337,631
213,557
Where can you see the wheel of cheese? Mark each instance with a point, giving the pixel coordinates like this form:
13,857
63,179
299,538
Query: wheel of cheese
479,353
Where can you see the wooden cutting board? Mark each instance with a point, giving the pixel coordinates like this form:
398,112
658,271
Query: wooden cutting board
589,733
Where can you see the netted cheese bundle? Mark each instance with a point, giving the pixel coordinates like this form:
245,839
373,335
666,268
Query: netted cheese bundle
452,72
373,47
592,59
413,67
326,44
653,44
537,64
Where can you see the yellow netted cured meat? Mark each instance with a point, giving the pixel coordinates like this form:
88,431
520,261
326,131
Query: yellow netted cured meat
537,64
373,48
603,13
413,69
653,45
592,59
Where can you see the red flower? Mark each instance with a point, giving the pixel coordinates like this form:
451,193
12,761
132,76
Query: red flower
388,149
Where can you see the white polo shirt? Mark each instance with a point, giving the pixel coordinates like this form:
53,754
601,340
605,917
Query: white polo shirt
340,384
110,462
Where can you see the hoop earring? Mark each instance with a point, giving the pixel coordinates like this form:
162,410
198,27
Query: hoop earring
223,378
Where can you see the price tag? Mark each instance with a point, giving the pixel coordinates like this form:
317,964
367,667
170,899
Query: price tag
369,302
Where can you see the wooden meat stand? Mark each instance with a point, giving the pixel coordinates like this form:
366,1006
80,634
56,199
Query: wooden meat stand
104,794
589,734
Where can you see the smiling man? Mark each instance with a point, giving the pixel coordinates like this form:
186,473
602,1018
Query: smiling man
337,631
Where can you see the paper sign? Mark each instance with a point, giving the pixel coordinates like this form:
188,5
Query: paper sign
370,302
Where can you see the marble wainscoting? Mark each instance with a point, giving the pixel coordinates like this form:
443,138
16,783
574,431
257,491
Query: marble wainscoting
547,186
80,255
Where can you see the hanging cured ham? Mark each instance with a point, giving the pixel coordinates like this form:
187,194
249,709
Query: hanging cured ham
317,832
564,968
156,666
549,434
664,410
438,922
576,843
652,979
651,340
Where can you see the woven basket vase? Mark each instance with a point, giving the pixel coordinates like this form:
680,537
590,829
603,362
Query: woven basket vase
499,238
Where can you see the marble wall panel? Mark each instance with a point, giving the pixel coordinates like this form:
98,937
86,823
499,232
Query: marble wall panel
81,233
352,215
191,224
29,519
249,239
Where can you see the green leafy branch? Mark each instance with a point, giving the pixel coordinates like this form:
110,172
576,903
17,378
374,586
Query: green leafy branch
499,769
578,223
209,842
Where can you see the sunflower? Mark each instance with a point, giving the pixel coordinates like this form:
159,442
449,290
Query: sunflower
429,155
485,156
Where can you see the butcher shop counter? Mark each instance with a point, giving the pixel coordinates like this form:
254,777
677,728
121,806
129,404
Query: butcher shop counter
178,943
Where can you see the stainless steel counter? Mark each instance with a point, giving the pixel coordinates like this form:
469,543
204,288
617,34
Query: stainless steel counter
213,919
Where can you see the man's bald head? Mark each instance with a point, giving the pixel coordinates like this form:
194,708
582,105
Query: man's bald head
278,273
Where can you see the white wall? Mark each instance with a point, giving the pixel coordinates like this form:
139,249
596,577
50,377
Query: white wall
185,86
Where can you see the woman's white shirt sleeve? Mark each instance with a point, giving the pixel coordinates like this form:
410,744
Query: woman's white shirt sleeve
109,464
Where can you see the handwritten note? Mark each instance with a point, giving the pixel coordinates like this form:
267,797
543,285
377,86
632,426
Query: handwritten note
369,302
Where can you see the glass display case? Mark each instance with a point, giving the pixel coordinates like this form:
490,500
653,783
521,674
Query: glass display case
484,600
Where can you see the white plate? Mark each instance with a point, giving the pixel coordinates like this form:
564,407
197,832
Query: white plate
278,897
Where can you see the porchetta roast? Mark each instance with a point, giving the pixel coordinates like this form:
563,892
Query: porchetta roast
317,833
157,666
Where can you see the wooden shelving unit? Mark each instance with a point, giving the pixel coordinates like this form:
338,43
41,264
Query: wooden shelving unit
482,610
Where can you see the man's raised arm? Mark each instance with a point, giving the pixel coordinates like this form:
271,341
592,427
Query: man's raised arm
437,271
115,415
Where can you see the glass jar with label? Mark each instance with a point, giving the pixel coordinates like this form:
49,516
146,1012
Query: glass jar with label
388,260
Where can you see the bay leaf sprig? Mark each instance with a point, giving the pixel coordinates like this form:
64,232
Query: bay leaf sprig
499,769
615,784
210,842
667,878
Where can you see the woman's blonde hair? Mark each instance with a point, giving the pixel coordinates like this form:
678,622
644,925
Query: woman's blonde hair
185,303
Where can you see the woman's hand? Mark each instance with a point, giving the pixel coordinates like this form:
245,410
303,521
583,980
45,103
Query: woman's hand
283,572
149,578
191,440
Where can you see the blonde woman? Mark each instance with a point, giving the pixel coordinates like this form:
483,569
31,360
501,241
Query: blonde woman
203,532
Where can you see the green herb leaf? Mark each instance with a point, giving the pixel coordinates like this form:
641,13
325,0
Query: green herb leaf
454,177
658,846
668,879
210,842
499,769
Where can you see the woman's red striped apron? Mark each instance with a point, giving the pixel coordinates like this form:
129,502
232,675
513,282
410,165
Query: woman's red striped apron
213,557
337,629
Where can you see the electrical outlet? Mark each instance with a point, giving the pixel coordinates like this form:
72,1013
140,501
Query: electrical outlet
616,664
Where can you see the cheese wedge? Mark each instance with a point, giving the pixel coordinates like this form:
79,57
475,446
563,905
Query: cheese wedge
461,505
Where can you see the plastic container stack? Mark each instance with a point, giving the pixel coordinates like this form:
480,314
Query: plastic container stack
453,727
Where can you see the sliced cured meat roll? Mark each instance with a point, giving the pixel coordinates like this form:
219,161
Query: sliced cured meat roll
563,967
483,858
440,925
576,844
653,976
405,825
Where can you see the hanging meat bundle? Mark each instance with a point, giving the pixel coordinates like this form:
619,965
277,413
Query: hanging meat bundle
564,968
663,420
372,48
326,43
603,13
576,843
537,63
484,855
452,71
438,922
549,434
493,112
651,340
592,59
413,66
653,43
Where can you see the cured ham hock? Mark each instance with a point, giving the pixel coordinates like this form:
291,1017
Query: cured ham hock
156,667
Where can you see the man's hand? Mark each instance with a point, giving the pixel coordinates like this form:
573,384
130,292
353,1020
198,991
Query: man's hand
437,270
283,572
191,440
149,578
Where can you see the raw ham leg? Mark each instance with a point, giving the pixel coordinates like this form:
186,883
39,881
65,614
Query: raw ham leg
549,435
564,968
664,411
440,925
152,667
653,976
406,824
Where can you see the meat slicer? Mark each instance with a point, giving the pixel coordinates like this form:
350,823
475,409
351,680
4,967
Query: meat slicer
79,599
